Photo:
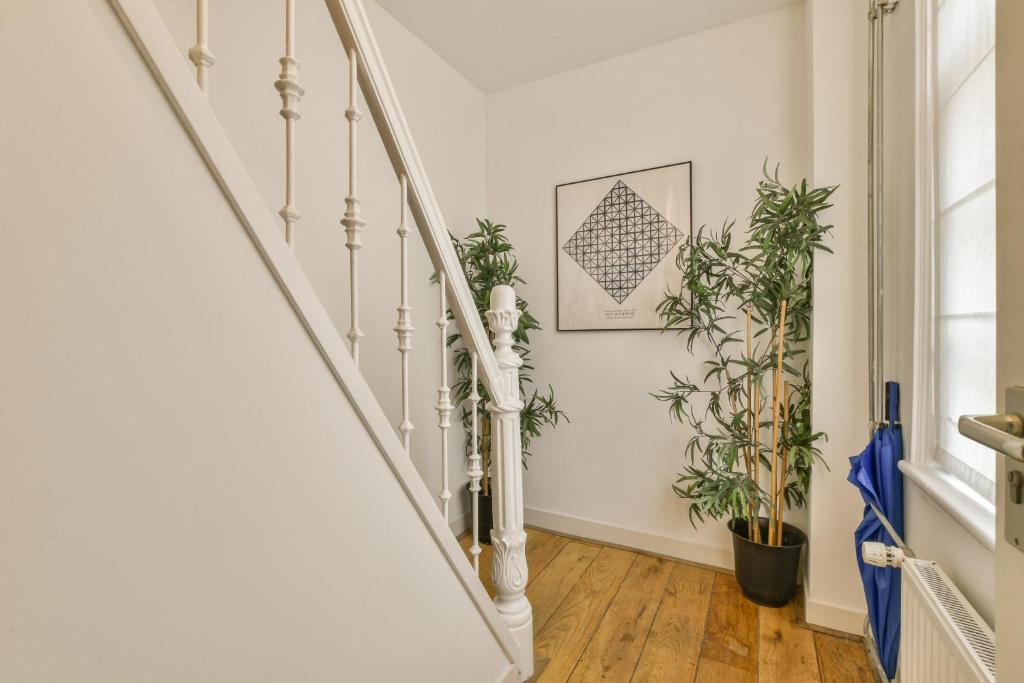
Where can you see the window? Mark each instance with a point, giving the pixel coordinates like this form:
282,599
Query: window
956,234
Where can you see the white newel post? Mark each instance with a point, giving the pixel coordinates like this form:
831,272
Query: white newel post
508,537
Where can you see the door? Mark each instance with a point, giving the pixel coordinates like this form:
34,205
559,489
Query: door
1010,312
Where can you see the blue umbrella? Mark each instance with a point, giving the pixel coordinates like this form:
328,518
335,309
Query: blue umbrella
875,472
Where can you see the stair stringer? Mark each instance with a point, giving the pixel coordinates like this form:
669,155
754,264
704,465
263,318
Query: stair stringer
156,46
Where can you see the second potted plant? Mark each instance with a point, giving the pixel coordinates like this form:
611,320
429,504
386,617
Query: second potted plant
488,259
752,446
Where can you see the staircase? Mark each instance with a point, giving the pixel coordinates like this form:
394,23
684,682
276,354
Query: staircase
496,368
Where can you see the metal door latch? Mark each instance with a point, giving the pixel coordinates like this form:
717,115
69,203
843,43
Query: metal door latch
1014,484
1002,433
1005,434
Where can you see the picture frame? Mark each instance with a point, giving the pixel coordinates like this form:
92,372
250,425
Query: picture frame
616,237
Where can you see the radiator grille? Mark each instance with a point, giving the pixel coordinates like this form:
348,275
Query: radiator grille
944,638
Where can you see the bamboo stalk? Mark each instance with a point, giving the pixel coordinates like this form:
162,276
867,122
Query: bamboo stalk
751,464
757,458
785,463
747,449
485,451
780,342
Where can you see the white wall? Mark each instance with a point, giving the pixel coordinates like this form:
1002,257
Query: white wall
447,117
934,535
837,52
724,99
185,491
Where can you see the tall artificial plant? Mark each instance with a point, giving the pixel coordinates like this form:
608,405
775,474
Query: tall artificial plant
752,447
488,260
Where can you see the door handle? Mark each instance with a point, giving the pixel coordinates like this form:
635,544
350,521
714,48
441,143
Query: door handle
999,432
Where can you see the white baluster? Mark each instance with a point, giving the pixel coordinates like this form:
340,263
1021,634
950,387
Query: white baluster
508,537
404,327
444,403
475,472
199,54
352,221
291,92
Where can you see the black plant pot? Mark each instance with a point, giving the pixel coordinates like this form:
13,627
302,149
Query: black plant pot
767,573
486,519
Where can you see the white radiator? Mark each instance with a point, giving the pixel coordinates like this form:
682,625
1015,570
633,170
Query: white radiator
943,639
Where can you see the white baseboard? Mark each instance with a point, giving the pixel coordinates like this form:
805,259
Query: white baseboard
630,538
836,617
460,525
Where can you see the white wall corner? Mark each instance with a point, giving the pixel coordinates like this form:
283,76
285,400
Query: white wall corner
837,49
830,615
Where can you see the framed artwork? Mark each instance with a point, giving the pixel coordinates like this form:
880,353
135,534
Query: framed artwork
617,237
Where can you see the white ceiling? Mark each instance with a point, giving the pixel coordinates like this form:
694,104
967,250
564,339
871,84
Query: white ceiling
500,43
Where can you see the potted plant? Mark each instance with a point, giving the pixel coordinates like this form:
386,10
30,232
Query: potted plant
752,448
488,259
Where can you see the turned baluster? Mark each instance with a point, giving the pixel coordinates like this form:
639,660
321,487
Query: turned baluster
404,326
475,472
291,92
444,403
352,221
199,54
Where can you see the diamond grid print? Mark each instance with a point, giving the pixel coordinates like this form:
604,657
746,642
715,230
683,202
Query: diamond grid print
622,241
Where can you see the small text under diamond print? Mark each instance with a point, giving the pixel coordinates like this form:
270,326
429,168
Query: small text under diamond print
622,241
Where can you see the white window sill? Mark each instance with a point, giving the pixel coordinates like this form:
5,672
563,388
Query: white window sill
970,510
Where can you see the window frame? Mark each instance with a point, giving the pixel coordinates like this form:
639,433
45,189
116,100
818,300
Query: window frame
974,510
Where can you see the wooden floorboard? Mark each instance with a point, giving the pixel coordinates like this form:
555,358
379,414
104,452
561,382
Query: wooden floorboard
541,549
549,588
558,646
785,651
615,647
731,631
610,614
842,660
673,644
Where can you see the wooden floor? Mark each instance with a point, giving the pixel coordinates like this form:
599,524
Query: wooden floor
606,614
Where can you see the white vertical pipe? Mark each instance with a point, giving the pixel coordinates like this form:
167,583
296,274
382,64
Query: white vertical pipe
872,213
444,404
199,54
475,470
352,221
291,92
404,327
878,10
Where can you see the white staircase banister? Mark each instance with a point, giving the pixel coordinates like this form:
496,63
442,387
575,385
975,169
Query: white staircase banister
499,366
510,621
353,28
